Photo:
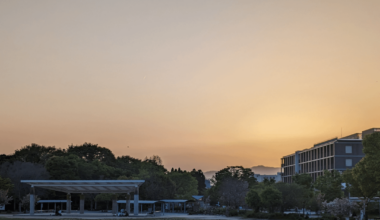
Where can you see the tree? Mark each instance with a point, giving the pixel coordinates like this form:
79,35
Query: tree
6,184
340,208
303,179
65,167
25,201
271,198
306,181
105,197
245,175
129,165
72,167
292,195
361,183
35,153
154,159
269,182
237,172
18,171
253,200
185,185
233,192
200,177
4,199
90,152
316,201
363,180
157,184
330,184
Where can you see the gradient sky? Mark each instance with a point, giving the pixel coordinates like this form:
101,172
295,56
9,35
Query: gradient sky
203,84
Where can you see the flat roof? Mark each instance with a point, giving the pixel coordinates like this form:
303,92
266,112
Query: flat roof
174,200
51,201
140,201
87,186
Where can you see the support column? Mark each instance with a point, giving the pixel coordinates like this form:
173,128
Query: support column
68,203
41,206
55,206
141,208
114,206
184,207
81,204
136,202
154,208
32,194
128,203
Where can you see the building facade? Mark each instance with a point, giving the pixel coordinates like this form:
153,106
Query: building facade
337,153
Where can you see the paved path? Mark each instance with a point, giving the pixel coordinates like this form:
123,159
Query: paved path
100,215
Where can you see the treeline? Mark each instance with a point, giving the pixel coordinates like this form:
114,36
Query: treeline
92,162
235,187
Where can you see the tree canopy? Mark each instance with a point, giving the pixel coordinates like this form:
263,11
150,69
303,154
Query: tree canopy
330,184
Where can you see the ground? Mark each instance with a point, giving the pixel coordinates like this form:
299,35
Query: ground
98,215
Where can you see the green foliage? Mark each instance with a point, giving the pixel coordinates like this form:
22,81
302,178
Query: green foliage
271,198
200,177
262,215
92,162
236,172
17,171
269,182
6,184
253,200
104,197
90,152
293,195
303,179
330,184
25,201
72,167
4,198
228,211
212,195
239,173
129,165
157,184
185,184
64,168
363,180
35,153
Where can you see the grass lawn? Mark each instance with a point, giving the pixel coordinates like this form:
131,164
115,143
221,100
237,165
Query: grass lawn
36,218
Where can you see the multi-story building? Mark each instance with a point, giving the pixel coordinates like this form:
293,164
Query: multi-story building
336,153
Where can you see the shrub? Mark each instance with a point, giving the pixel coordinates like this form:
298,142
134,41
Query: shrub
260,215
233,212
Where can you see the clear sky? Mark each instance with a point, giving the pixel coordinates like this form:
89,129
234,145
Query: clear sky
203,84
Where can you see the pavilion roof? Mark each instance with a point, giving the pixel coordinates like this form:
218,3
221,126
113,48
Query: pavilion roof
87,186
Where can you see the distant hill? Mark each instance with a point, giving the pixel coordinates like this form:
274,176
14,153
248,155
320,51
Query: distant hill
263,170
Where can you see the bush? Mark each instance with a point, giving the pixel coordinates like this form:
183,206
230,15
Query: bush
243,212
233,212
261,215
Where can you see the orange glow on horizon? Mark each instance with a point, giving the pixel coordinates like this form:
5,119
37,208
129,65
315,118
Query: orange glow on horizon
203,85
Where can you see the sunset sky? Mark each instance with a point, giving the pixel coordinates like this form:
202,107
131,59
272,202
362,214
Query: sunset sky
202,84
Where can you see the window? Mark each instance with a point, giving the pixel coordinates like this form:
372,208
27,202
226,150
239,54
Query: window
348,150
348,162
